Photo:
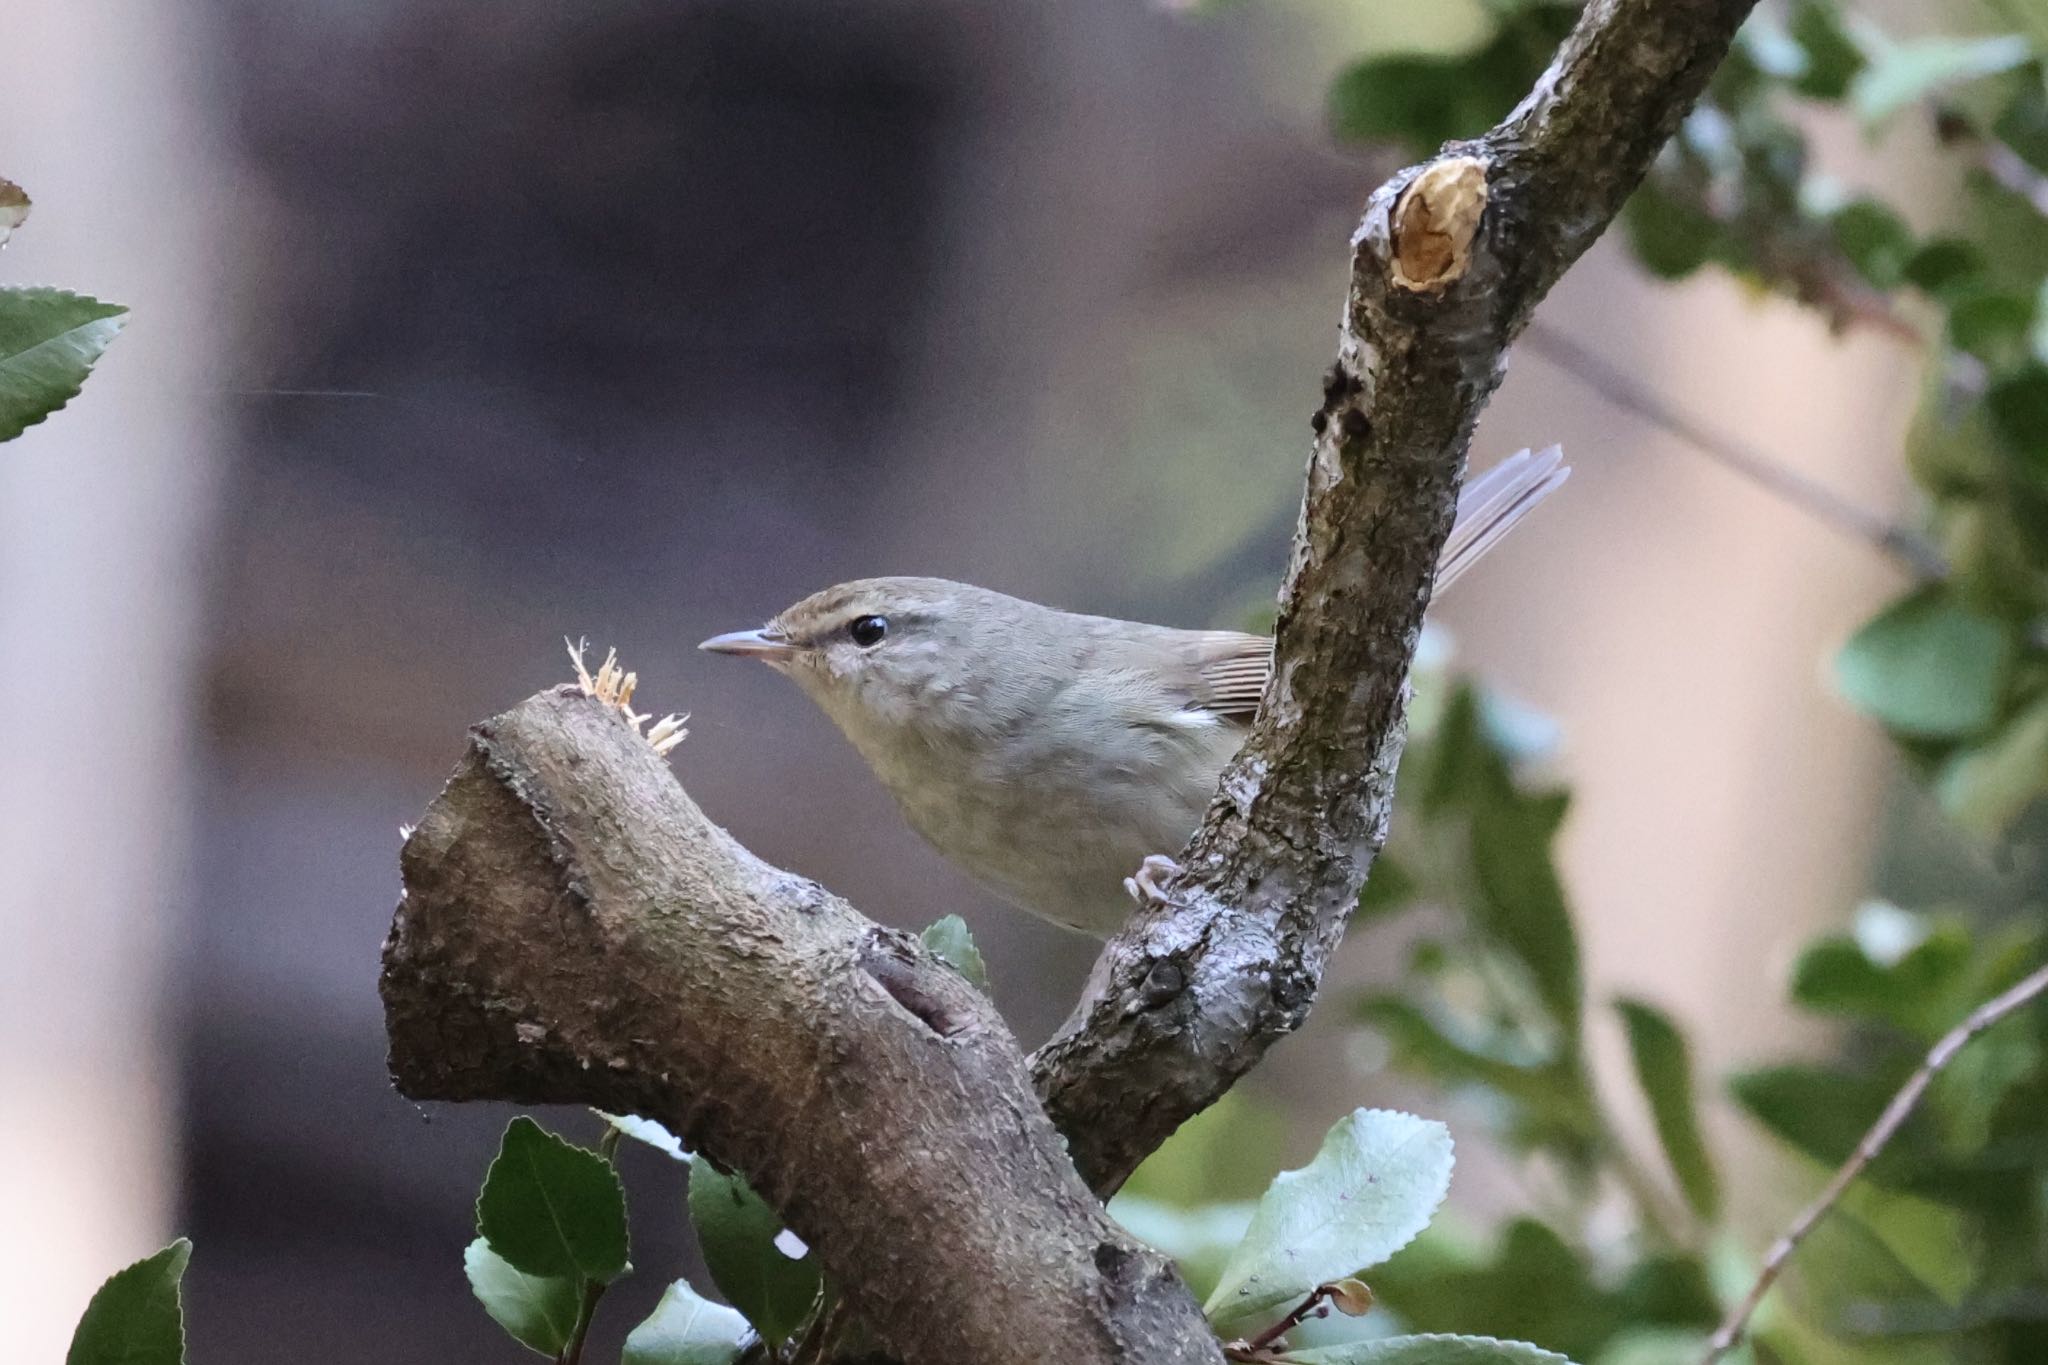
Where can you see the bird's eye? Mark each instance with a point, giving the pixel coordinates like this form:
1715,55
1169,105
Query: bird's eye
867,631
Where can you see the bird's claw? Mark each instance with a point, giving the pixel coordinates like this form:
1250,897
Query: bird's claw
1146,886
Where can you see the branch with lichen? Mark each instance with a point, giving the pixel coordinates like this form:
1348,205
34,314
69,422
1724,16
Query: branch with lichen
1451,259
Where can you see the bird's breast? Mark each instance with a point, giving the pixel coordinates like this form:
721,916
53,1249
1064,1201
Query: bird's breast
1051,824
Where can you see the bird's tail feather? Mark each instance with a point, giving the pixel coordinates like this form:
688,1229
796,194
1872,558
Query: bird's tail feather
1494,503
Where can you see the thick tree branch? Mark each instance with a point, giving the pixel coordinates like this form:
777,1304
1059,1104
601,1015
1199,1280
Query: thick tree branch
1446,267
574,931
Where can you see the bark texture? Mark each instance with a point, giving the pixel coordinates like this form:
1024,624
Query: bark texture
1191,994
574,931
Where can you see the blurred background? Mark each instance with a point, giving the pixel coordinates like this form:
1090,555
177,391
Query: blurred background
459,328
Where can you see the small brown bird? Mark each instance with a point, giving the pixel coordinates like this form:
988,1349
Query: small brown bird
1056,757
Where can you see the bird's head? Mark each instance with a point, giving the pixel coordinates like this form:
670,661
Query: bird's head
888,654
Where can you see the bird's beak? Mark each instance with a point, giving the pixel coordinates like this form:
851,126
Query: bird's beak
767,645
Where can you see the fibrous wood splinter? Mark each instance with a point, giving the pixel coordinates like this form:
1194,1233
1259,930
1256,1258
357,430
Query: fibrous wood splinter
614,686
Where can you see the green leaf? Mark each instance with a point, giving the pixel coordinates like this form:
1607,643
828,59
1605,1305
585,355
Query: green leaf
1521,903
1987,786
2018,405
552,1208
686,1328
1939,267
1898,968
1876,241
538,1310
1224,1152
1906,73
49,340
1820,1112
1664,1070
1992,324
1932,1241
948,939
135,1318
1833,57
1531,1285
1927,665
737,1232
1389,888
1431,1349
1671,234
1374,1184
1418,102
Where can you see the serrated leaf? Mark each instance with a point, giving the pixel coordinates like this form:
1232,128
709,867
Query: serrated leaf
1430,1349
948,939
539,1311
686,1328
737,1233
135,1317
49,339
1986,787
1927,665
1371,1188
1906,73
14,206
1664,1071
550,1207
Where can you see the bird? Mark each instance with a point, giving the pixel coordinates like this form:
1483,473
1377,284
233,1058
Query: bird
1056,757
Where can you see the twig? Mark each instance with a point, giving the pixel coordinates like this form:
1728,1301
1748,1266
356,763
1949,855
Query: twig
1888,1124
1310,1307
1615,386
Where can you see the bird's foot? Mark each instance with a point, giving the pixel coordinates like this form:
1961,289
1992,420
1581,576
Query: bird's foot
1146,885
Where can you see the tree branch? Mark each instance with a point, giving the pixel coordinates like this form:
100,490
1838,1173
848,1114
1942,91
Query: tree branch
574,931
1448,264
1875,1141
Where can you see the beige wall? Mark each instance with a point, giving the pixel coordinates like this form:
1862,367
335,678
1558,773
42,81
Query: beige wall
100,510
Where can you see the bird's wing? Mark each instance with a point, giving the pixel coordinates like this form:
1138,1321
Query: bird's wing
1224,672
1227,671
